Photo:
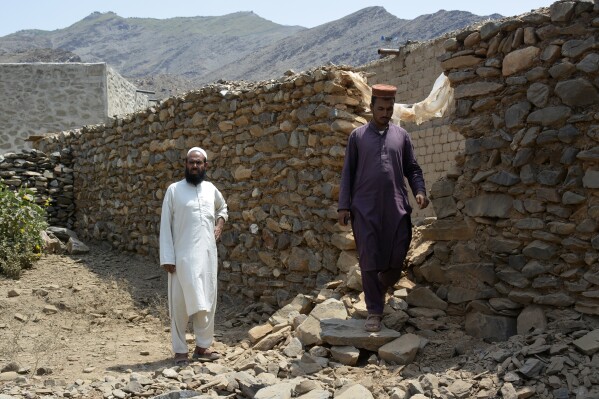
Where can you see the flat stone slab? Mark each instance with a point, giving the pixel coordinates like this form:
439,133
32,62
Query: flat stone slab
402,350
351,332
588,343
354,391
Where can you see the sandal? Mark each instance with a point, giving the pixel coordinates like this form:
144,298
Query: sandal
374,323
204,355
181,359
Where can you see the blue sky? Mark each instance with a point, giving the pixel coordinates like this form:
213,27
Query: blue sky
57,14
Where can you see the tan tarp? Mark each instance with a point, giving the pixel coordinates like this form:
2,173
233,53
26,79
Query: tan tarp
433,106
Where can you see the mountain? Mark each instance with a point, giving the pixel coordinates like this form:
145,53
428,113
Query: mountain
352,40
137,47
177,54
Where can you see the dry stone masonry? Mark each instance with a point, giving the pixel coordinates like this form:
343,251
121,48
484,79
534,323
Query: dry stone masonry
275,151
48,177
517,220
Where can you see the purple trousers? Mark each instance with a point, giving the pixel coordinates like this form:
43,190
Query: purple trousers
375,283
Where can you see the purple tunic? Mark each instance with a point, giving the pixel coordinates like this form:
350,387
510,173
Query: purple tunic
374,190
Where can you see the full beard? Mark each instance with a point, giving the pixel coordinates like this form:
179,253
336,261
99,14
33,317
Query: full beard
196,178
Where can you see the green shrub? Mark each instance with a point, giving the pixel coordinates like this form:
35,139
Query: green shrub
21,222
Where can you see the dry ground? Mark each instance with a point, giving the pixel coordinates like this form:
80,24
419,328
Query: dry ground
111,316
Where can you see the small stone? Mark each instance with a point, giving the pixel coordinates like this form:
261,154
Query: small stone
8,376
88,370
424,297
14,292
20,317
118,393
526,392
402,350
561,393
258,332
508,391
589,343
531,368
530,319
347,355
170,373
76,247
511,376
351,392
294,348
43,371
50,309
460,389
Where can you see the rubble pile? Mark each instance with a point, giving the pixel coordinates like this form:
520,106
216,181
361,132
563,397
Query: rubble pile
315,347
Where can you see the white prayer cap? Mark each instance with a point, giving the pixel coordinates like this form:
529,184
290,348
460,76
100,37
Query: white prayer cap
198,149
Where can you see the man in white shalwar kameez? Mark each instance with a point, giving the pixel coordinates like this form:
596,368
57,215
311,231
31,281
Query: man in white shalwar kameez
193,215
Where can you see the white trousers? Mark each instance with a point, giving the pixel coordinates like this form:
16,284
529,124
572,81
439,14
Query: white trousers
202,321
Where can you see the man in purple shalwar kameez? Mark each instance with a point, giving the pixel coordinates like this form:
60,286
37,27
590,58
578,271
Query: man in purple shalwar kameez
373,195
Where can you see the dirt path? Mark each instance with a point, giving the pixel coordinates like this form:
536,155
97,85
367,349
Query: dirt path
88,316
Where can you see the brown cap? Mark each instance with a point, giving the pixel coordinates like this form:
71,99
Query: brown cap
381,90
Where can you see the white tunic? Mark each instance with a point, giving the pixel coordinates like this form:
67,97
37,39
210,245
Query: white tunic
187,240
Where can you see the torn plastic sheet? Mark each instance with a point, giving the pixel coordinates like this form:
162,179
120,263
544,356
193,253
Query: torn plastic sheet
433,106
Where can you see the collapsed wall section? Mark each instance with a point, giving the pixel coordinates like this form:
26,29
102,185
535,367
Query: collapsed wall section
276,151
520,225
47,176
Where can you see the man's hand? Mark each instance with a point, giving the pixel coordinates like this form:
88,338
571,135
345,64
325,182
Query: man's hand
343,215
422,200
218,229
169,268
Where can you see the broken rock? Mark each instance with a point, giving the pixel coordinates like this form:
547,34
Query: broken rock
351,333
402,350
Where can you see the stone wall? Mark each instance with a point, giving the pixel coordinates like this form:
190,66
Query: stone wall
414,70
518,220
123,97
47,97
517,212
275,150
48,176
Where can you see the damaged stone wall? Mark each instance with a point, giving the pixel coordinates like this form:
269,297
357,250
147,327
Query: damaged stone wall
48,176
275,150
517,214
518,220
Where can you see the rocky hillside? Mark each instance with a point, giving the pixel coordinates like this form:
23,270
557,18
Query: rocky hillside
352,40
139,47
178,54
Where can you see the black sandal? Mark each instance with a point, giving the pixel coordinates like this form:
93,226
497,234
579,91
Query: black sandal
374,323
181,359
204,355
